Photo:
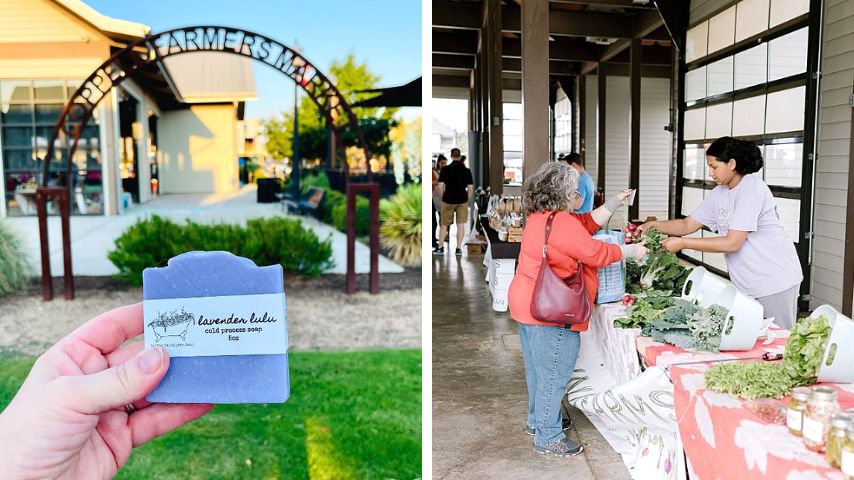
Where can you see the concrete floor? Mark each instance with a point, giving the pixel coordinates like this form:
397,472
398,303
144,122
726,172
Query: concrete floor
93,236
479,393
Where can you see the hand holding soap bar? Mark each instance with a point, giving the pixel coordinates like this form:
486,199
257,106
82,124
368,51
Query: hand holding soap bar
222,319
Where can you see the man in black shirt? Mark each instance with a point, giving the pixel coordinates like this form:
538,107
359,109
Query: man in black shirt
456,186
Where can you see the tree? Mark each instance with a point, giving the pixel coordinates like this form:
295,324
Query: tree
350,77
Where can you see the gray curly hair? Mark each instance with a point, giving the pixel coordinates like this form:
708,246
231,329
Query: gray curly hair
552,188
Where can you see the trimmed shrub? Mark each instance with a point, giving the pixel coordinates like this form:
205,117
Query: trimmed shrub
287,242
15,271
314,179
400,227
153,241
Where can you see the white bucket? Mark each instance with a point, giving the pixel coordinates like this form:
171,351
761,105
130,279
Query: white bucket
745,316
839,343
702,286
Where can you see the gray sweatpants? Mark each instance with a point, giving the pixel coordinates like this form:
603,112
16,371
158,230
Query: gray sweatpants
783,306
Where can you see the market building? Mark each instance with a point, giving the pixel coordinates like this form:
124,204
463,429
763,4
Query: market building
167,130
639,88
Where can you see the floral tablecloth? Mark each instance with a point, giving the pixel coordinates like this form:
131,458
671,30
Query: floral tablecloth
724,439
664,355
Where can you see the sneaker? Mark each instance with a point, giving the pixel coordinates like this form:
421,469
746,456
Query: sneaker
458,252
562,448
439,251
566,424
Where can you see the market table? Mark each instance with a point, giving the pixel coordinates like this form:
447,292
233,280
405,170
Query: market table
724,439
642,414
617,345
500,261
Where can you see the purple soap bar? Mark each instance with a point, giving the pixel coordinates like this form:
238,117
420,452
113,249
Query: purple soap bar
224,378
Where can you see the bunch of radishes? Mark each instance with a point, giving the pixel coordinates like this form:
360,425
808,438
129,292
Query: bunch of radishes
632,233
628,300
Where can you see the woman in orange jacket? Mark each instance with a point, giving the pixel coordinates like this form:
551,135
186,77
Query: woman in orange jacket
550,349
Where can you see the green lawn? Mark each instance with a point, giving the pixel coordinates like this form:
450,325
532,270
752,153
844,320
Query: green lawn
350,415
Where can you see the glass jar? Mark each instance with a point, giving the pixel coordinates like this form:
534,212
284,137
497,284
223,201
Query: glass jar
795,409
839,424
821,405
848,454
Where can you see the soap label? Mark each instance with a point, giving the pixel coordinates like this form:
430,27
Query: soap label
213,326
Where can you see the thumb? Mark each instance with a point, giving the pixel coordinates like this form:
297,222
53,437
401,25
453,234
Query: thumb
117,386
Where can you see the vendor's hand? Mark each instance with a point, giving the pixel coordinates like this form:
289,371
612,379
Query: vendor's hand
673,244
646,225
69,419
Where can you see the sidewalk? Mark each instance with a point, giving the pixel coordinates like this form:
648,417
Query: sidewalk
93,236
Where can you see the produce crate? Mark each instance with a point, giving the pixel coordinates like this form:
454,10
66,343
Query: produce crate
476,247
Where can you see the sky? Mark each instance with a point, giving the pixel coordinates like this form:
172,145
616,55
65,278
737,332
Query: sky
384,33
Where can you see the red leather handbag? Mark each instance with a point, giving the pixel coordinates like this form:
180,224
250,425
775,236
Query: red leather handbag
559,300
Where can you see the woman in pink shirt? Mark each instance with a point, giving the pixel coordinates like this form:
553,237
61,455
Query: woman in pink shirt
760,256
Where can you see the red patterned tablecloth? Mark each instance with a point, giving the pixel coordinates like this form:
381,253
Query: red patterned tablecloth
723,439
664,355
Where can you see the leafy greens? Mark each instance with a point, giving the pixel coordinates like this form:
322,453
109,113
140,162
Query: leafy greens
801,363
660,270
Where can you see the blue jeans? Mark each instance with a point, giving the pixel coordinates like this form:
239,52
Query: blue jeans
550,354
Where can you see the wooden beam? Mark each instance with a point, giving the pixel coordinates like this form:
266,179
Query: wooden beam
535,85
467,16
635,122
462,81
605,3
652,55
464,42
589,24
648,71
558,50
601,124
642,25
492,22
461,42
848,256
581,101
453,62
514,65
453,81
457,15
509,65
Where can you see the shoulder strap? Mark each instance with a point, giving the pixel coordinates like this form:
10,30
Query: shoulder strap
548,232
546,241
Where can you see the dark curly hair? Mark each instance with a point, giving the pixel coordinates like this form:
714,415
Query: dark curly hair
748,158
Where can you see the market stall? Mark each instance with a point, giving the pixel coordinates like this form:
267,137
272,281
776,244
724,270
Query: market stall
503,246
698,373
500,262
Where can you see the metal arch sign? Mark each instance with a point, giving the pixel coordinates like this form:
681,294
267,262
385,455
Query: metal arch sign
151,49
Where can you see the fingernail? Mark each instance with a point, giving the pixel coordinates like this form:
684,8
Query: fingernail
151,359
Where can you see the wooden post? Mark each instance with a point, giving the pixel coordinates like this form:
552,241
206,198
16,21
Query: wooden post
848,257
601,86
374,201
535,84
635,102
43,194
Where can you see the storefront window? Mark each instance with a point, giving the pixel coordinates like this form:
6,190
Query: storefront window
29,110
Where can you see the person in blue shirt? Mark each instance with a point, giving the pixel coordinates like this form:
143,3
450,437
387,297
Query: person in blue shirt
586,188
